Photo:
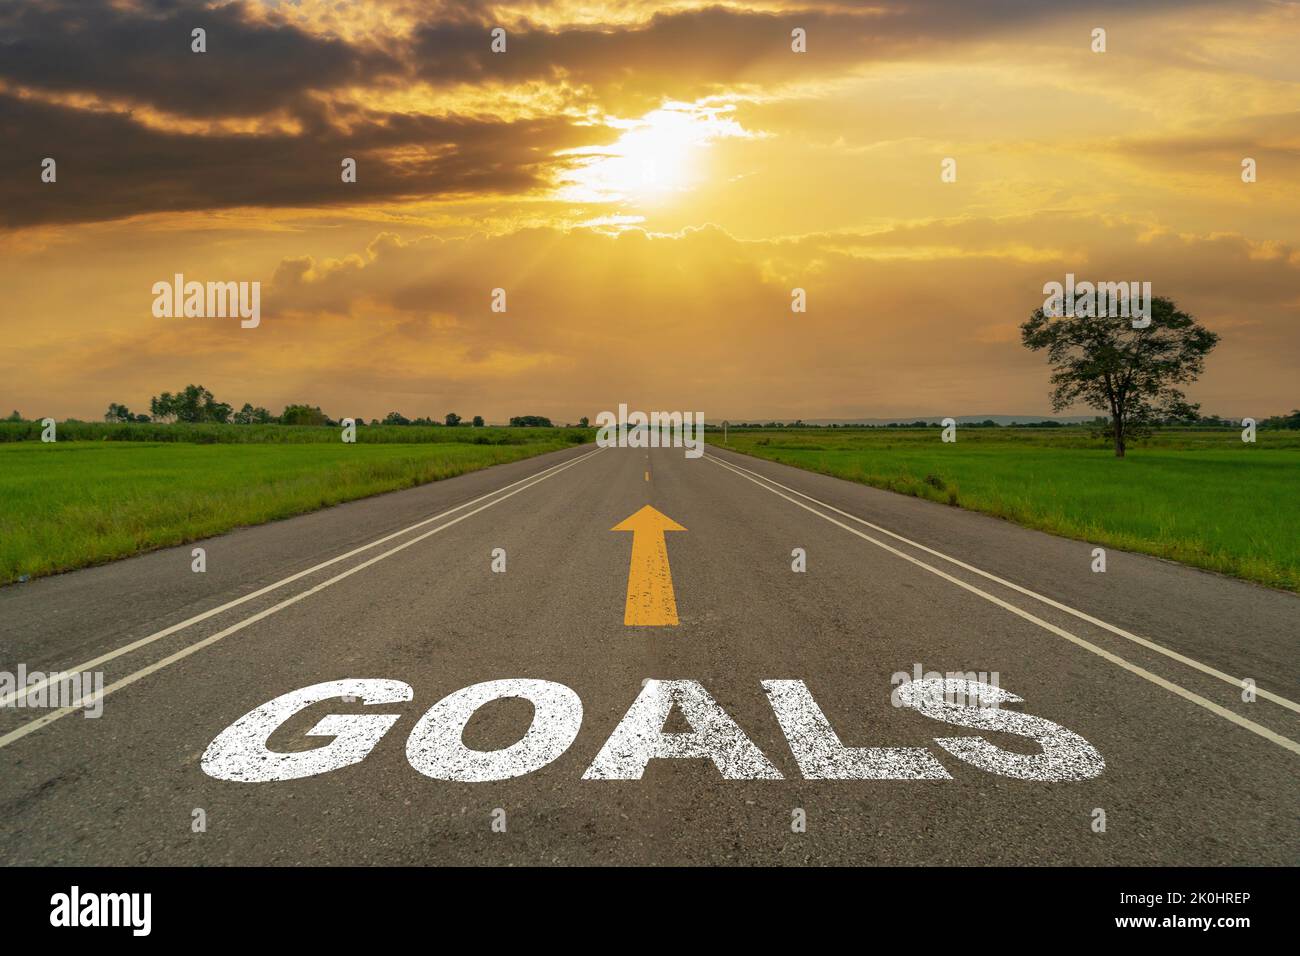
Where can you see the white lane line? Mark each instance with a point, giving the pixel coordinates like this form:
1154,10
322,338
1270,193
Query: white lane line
1082,615
184,652
1142,672
9,698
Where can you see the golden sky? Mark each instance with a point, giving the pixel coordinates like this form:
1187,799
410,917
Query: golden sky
647,182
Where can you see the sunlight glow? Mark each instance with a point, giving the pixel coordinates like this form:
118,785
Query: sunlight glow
658,155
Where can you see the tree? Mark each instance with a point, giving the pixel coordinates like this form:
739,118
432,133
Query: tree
303,415
1291,421
452,419
118,413
396,418
1129,373
14,416
162,407
192,404
584,422
530,421
248,415
478,421
195,403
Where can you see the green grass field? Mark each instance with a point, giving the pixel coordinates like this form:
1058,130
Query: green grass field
1197,496
69,504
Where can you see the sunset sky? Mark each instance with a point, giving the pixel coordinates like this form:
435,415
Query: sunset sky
648,182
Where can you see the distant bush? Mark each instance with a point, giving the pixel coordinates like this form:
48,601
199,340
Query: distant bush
303,415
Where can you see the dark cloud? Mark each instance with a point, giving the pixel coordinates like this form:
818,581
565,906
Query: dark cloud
143,54
686,54
111,167
257,63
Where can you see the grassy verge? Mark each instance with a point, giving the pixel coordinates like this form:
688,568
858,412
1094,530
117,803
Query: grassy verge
1200,497
74,503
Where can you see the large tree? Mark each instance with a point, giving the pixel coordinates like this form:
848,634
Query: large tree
1129,373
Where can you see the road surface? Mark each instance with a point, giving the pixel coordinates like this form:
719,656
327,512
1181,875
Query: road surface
1143,663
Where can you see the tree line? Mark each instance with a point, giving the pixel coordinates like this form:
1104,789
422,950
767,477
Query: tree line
195,404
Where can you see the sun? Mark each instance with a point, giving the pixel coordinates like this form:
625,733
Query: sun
657,156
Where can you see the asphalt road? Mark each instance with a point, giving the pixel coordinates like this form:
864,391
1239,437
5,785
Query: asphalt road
1143,662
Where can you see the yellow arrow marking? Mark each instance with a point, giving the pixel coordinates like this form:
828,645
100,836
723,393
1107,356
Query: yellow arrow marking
650,599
